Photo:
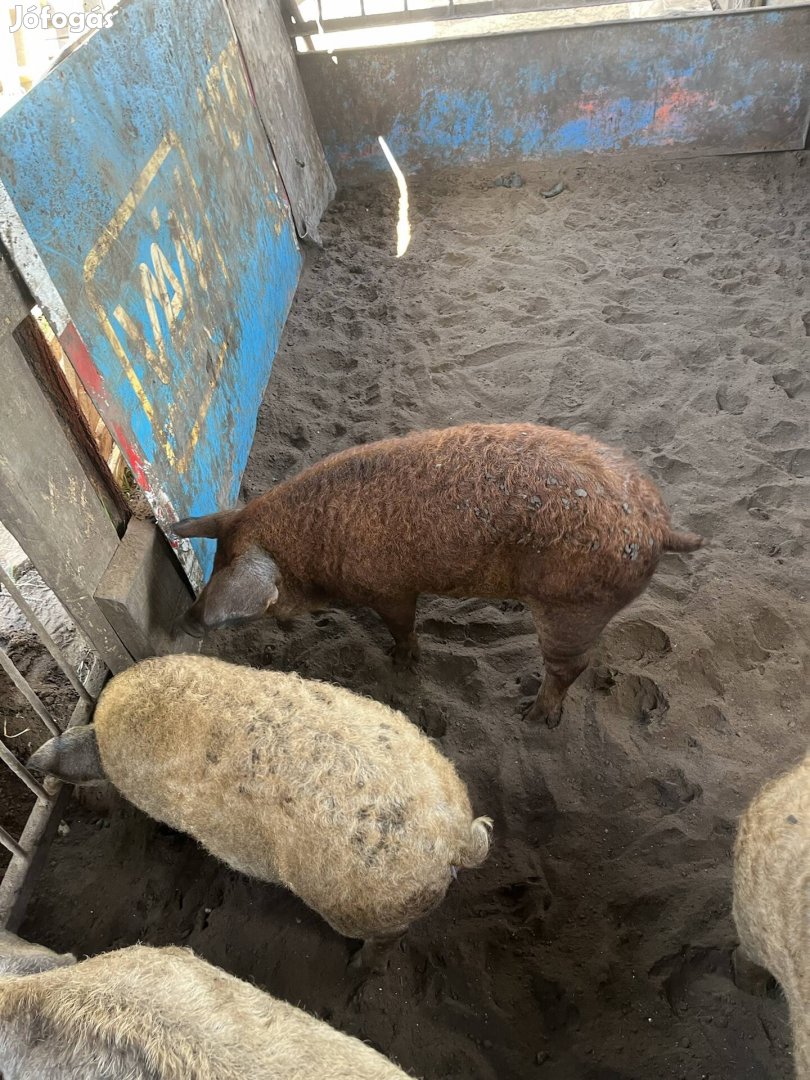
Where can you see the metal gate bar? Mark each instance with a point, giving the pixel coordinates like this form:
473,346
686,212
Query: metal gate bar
43,634
21,772
441,12
30,851
8,842
30,695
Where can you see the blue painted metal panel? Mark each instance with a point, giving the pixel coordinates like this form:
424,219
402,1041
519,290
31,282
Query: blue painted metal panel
142,173
720,83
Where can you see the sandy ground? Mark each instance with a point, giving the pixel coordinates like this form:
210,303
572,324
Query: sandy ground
664,308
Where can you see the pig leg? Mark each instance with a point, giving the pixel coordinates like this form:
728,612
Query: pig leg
399,616
566,639
373,955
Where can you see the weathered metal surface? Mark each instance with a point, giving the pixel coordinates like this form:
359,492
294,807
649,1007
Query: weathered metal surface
142,594
721,83
13,305
142,174
47,501
18,245
285,113
43,361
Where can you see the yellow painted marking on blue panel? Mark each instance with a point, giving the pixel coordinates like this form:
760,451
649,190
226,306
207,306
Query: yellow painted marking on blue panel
159,286
99,250
182,464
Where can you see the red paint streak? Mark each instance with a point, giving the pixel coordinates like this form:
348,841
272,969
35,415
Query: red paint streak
133,457
79,357
76,352
675,106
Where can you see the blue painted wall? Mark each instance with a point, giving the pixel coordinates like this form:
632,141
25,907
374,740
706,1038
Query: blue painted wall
722,83
141,172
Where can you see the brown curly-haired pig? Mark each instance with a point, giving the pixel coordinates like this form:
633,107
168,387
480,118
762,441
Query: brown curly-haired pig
335,796
162,1014
553,519
772,899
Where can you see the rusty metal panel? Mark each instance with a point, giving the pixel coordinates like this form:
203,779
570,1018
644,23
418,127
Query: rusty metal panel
141,173
284,110
730,82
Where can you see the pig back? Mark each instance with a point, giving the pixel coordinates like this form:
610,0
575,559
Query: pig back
490,510
337,797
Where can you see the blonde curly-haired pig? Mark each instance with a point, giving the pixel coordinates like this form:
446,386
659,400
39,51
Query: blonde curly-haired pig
335,796
772,898
163,1014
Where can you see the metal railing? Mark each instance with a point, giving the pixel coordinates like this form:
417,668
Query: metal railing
332,15
29,850
306,18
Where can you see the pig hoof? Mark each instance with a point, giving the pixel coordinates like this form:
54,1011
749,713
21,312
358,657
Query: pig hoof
539,714
554,718
405,657
366,964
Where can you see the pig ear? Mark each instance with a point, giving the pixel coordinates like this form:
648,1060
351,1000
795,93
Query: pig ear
212,525
72,756
241,591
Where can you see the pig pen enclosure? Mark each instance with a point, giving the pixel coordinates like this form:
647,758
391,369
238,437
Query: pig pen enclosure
658,301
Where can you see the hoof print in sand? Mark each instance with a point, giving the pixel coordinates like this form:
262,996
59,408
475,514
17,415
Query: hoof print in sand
793,382
640,640
730,400
673,470
555,1007
671,793
632,697
530,684
796,462
762,502
643,700
525,901
770,631
432,720
710,716
682,973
